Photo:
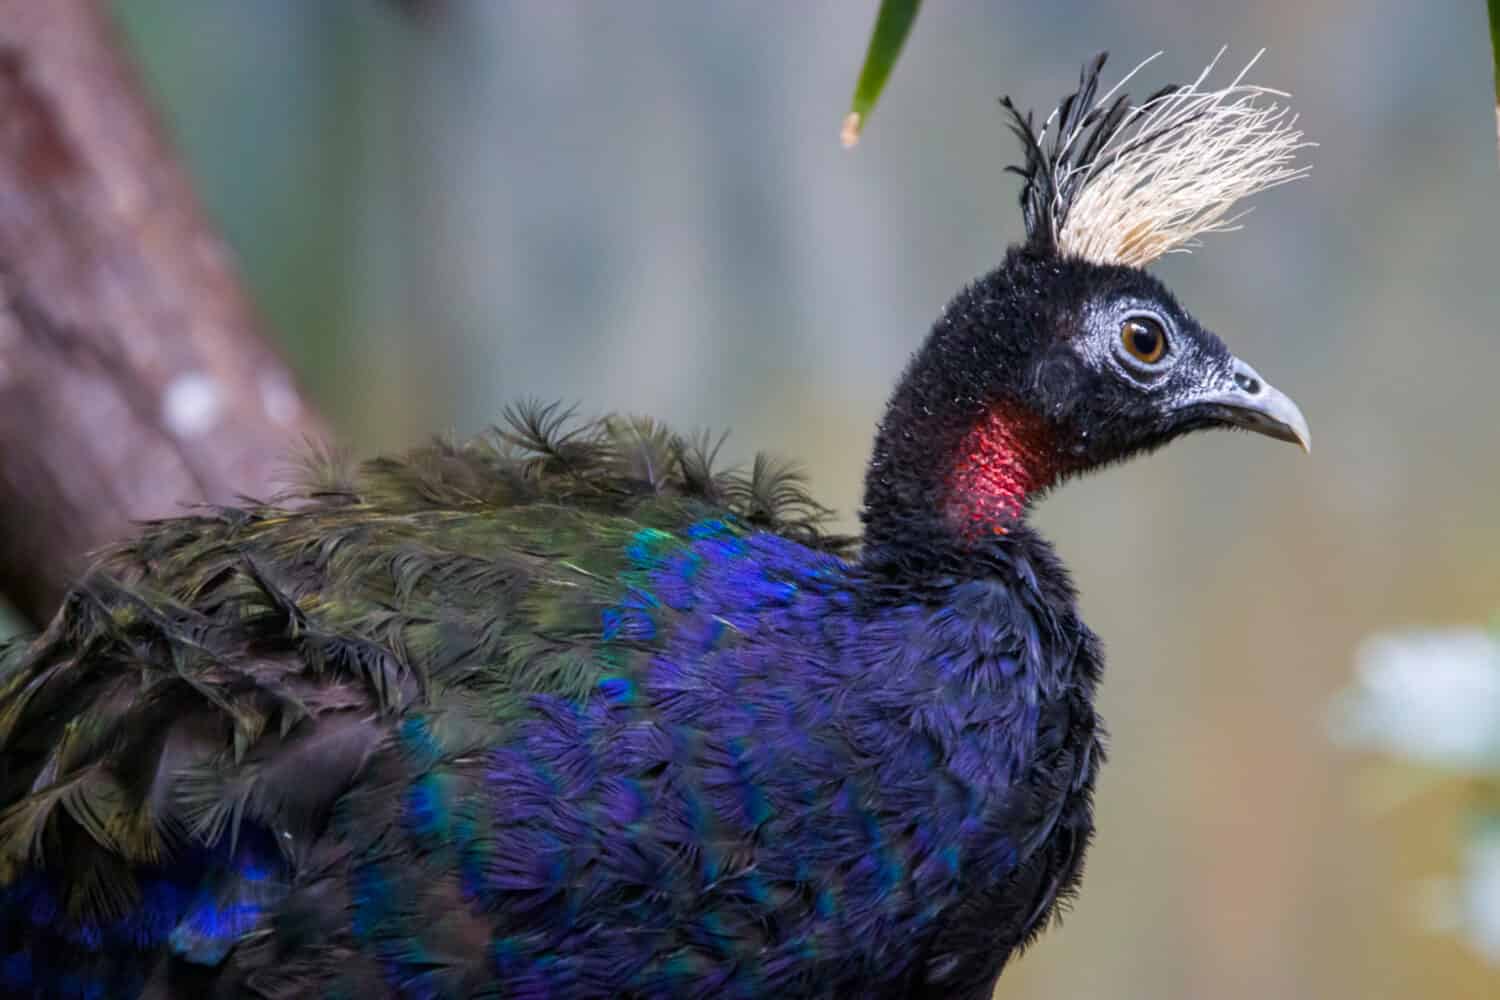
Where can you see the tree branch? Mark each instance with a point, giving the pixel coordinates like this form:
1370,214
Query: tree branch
132,378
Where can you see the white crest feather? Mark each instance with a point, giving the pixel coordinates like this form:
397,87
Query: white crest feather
1175,168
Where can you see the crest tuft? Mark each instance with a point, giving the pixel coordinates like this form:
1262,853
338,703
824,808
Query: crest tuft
1116,183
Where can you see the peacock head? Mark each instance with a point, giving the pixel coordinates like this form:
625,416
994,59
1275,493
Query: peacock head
1070,356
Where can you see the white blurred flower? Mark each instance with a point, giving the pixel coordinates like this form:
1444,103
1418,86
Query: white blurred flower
1429,694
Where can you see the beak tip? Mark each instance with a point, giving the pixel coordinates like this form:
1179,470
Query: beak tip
1300,430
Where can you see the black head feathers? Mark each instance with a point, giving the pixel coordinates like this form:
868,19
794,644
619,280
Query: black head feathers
1053,174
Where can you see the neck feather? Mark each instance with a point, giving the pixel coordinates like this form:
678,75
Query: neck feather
1000,464
943,482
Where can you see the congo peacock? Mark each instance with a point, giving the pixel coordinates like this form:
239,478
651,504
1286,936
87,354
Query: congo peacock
569,711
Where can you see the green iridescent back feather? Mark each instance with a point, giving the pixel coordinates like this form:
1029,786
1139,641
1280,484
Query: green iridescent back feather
462,575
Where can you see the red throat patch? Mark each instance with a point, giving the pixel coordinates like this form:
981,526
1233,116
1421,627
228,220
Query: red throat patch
999,464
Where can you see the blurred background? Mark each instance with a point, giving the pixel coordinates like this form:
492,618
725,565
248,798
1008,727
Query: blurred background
645,206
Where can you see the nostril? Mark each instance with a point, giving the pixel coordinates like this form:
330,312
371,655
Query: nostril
1247,383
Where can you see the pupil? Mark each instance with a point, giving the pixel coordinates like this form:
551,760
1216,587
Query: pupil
1144,340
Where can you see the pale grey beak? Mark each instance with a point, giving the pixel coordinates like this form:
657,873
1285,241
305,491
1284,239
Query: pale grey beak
1256,405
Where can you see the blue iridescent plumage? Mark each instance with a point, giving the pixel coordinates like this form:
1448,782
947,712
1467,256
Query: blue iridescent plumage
742,798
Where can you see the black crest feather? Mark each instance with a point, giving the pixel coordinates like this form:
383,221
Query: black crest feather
1059,154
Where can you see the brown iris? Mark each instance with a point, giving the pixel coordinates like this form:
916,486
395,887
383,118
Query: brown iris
1144,339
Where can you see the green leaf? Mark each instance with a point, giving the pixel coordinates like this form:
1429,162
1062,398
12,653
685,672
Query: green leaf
1495,54
892,25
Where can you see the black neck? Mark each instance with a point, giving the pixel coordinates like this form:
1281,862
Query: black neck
959,453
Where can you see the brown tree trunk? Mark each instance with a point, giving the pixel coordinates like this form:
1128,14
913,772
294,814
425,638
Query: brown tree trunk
132,378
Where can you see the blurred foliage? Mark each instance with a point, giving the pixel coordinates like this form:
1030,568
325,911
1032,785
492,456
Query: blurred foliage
892,25
1430,701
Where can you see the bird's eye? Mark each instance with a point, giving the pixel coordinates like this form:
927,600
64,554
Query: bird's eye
1143,339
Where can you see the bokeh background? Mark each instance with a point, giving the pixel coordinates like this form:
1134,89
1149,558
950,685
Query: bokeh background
644,206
